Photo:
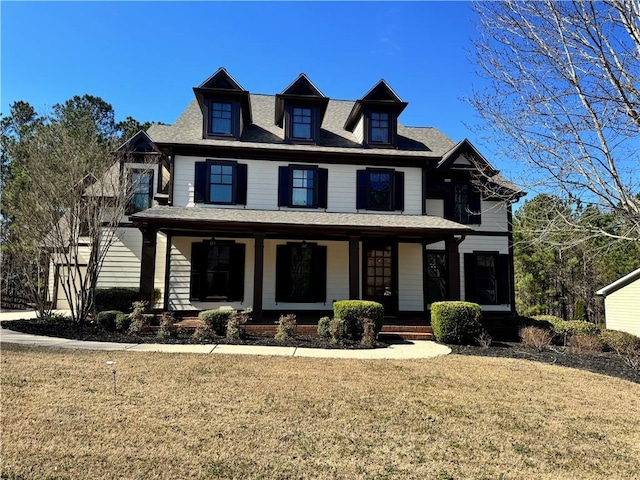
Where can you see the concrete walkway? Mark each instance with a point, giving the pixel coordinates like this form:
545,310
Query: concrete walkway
408,350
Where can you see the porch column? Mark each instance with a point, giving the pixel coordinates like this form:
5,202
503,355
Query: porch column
258,274
148,265
453,266
354,268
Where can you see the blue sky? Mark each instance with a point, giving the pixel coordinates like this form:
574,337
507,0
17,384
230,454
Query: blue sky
144,57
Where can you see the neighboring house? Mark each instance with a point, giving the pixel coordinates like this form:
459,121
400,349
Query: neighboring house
622,303
286,203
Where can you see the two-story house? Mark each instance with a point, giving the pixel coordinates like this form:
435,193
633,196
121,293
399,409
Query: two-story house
289,202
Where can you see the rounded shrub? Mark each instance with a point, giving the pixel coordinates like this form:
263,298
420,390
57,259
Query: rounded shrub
323,327
217,319
123,322
286,327
107,319
115,298
622,343
338,329
456,322
353,311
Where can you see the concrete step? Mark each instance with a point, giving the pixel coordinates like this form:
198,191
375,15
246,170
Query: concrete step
405,336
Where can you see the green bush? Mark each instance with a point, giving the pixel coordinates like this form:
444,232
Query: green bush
286,327
575,327
217,319
552,319
234,332
353,311
338,329
622,343
580,311
107,319
116,298
323,327
123,322
456,322
203,334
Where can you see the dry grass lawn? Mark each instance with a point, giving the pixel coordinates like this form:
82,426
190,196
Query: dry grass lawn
215,416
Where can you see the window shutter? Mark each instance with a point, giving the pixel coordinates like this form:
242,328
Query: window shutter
323,186
503,277
200,188
362,188
236,280
198,259
470,277
474,205
398,191
241,184
284,190
319,272
449,201
283,273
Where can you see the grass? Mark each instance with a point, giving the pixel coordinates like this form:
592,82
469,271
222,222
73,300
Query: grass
205,416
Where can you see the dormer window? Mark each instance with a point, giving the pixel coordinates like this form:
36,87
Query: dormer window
379,127
301,123
221,117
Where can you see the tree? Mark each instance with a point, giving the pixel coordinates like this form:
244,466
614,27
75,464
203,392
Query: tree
63,196
563,96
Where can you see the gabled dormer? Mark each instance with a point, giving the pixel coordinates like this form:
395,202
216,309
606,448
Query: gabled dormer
225,106
300,109
374,118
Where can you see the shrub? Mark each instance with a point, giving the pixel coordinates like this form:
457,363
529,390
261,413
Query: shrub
217,319
123,322
622,343
323,327
337,329
286,327
203,334
585,343
234,332
107,319
538,338
353,311
537,321
580,311
552,319
116,298
167,328
484,339
54,317
368,333
456,322
138,318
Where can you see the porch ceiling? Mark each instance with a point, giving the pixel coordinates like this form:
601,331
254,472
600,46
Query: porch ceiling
244,220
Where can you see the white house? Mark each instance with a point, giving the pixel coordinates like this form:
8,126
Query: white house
622,303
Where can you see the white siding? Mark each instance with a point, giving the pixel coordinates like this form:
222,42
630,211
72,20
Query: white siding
622,309
410,292
262,186
180,276
494,217
121,266
358,131
161,256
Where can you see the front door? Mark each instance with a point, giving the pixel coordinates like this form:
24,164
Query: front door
380,275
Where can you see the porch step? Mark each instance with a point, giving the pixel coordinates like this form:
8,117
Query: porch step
405,336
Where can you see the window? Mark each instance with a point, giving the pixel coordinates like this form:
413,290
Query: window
301,123
437,276
141,196
302,186
221,118
462,203
487,278
379,128
217,271
220,182
301,273
379,189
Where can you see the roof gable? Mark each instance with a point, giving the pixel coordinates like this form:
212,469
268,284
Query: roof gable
381,96
221,80
223,85
382,92
620,283
139,143
303,86
301,91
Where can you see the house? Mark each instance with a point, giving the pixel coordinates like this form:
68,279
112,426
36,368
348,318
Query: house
622,303
286,203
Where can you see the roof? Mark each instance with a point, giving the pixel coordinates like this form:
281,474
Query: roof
422,142
620,283
412,224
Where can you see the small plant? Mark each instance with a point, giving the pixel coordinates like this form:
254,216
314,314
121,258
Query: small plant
484,340
203,334
323,327
538,338
585,343
234,332
456,322
217,319
138,319
107,319
123,322
286,327
337,329
368,333
167,328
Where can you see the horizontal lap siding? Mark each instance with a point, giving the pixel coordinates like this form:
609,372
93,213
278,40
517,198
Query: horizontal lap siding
262,185
410,292
121,267
622,309
494,216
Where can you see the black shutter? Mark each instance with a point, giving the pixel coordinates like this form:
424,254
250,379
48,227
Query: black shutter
470,294
198,259
284,184
474,205
319,273
241,184
323,186
200,190
449,201
398,191
283,273
236,276
362,189
503,280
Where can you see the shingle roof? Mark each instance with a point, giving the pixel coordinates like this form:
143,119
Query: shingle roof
412,141
620,283
188,215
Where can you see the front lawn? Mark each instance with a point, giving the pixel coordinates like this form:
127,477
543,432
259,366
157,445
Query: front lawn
206,416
